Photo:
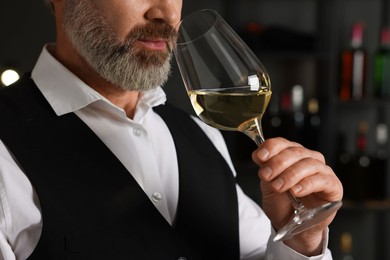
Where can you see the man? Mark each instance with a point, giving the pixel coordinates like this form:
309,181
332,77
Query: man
93,165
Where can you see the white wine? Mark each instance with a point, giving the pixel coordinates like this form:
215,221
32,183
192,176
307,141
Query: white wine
230,108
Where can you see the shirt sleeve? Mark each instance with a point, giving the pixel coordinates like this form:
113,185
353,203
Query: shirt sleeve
255,230
20,217
278,250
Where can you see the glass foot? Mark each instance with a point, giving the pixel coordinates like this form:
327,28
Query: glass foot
306,218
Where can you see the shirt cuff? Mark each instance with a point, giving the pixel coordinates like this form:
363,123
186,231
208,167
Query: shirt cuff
278,250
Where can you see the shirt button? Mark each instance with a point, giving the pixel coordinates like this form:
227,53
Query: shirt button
156,197
137,132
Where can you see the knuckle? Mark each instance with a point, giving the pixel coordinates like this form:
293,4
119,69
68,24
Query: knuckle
297,151
279,163
319,156
310,182
294,174
272,142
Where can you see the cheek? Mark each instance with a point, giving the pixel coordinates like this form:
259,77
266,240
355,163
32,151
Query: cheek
121,15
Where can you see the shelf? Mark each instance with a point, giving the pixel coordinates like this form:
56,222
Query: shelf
366,205
291,55
364,103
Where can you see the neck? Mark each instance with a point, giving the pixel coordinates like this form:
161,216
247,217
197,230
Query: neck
70,58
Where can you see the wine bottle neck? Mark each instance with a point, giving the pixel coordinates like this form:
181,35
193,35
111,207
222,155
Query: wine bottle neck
357,36
385,38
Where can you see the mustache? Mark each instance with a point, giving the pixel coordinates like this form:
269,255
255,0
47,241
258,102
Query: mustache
151,30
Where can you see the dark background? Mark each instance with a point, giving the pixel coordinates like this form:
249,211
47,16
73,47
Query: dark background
303,46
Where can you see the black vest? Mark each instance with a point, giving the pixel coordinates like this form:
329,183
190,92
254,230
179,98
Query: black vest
93,208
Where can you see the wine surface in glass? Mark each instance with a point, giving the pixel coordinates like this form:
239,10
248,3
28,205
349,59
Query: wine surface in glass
230,108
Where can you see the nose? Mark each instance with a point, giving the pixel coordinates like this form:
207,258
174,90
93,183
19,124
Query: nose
168,11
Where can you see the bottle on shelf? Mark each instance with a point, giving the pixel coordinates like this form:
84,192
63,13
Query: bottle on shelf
312,124
378,173
343,166
292,113
346,246
353,67
382,66
286,116
361,165
272,119
297,98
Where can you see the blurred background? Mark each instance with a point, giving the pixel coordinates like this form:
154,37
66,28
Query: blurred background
329,62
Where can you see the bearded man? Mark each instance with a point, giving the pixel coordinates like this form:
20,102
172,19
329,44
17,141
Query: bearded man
95,165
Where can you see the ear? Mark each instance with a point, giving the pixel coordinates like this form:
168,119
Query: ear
50,5
54,4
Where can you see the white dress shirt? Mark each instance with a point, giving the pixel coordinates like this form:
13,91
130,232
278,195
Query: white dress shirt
144,139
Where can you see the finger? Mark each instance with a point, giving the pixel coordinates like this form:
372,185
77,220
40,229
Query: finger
274,146
270,148
324,184
286,159
297,172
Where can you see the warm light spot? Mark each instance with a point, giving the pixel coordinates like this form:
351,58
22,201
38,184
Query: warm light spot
8,77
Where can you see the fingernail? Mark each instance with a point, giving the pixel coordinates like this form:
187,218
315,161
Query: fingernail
263,154
297,188
266,172
278,183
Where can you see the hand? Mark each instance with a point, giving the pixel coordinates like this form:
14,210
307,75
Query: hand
289,167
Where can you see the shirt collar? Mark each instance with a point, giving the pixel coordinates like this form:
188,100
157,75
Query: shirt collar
66,93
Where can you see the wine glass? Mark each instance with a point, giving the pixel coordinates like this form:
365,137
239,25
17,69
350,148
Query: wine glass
230,89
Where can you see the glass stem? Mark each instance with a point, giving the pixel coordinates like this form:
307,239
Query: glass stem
296,203
255,132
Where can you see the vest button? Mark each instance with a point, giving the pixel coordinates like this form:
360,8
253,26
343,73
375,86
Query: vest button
156,197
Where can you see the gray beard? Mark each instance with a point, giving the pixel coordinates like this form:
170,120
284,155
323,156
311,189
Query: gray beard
114,60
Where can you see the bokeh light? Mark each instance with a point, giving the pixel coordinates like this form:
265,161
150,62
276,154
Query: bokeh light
8,77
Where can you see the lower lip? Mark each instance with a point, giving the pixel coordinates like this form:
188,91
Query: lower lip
155,45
